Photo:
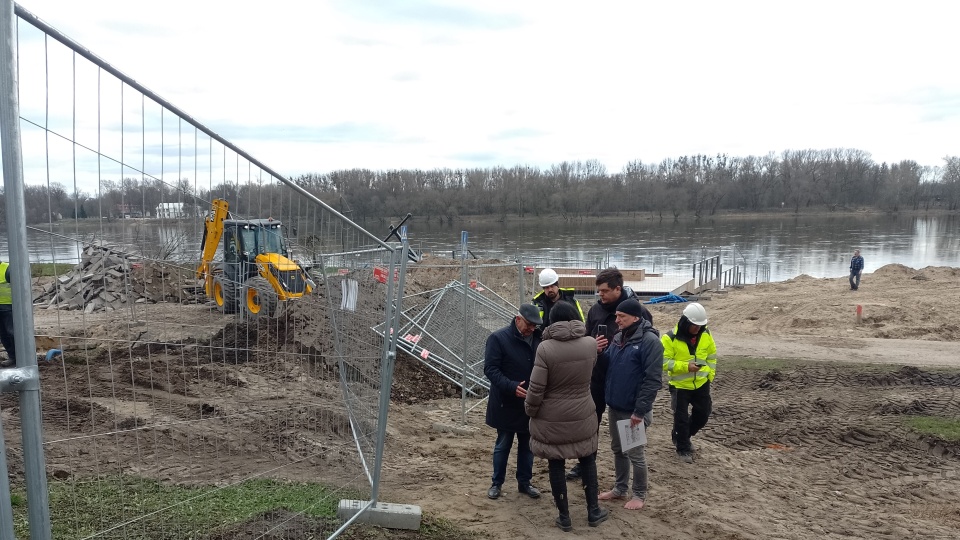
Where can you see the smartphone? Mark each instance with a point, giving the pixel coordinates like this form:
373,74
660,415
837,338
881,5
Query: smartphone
700,362
601,330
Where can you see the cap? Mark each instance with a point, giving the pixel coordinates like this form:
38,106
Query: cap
531,313
630,307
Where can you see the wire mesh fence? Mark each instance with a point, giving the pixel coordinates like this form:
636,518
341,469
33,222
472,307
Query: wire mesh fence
187,393
446,328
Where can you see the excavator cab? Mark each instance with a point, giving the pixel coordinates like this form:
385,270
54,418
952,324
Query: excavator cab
256,275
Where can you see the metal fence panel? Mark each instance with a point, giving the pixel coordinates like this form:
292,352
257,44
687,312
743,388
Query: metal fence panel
164,415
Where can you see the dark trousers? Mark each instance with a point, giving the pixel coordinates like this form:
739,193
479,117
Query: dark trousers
6,333
854,280
685,423
558,481
501,454
557,468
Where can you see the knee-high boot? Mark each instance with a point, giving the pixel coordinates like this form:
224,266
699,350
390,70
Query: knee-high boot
591,488
558,485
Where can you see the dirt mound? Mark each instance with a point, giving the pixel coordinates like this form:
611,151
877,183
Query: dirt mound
893,306
501,277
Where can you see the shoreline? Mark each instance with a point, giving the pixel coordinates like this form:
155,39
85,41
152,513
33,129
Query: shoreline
655,217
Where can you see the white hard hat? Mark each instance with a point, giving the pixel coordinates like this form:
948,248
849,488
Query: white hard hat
696,314
548,277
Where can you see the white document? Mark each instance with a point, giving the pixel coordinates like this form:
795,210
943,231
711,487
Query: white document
631,436
348,295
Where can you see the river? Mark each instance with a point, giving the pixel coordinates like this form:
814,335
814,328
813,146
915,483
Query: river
819,246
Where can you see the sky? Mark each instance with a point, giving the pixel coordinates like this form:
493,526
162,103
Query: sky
325,85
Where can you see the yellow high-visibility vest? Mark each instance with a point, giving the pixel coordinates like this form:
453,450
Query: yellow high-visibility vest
6,293
677,358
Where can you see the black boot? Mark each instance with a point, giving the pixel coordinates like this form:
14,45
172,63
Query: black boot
574,472
558,485
595,514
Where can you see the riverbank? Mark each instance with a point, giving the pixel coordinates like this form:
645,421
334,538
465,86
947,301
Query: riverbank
771,213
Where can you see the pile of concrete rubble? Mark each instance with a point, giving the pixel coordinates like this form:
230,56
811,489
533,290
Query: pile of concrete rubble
107,279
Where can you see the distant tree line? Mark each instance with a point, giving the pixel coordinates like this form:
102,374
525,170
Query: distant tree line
688,186
696,186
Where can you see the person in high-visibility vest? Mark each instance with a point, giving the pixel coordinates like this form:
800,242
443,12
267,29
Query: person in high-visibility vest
552,294
690,362
6,316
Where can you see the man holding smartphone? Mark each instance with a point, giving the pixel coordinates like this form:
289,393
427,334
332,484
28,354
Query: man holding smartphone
507,363
690,361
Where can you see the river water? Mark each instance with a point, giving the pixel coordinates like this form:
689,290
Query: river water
819,246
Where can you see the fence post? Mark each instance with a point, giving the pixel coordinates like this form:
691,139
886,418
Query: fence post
391,335
720,266
523,276
35,472
465,282
6,511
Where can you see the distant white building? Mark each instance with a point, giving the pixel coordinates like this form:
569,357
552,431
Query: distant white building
170,210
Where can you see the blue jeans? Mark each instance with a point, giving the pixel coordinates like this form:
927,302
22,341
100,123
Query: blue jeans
854,276
501,453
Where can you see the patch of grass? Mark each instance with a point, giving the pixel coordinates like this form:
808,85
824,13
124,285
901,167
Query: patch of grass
439,529
765,364
947,429
757,364
151,510
49,269
82,508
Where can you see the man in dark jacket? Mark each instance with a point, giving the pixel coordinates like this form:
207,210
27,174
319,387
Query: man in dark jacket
633,378
603,316
856,270
507,363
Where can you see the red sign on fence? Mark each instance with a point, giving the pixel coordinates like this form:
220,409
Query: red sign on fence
380,274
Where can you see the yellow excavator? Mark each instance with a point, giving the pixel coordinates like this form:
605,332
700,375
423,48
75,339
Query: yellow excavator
256,276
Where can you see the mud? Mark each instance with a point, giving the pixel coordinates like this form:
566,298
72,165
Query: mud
799,446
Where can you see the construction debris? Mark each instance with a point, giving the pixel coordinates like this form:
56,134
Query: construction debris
107,278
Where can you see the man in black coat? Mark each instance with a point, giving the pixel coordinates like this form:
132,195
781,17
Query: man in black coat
603,316
507,363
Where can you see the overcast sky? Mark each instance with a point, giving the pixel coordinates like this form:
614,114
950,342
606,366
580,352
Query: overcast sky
314,86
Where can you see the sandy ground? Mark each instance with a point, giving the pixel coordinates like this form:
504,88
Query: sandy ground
799,445
796,450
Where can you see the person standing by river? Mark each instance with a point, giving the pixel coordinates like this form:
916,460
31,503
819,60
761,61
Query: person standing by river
856,268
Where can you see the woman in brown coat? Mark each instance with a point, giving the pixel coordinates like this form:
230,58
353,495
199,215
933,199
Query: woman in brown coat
563,418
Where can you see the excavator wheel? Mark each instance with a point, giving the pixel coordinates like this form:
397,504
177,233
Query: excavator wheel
259,299
225,294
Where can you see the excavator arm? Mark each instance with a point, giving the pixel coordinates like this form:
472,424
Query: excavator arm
212,233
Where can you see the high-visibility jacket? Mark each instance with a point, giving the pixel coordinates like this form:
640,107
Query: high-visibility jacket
677,358
567,294
6,293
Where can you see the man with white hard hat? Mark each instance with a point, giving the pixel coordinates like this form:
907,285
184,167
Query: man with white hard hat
690,362
553,293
